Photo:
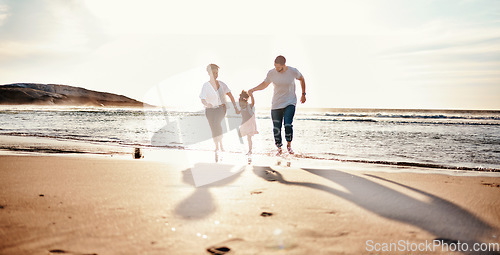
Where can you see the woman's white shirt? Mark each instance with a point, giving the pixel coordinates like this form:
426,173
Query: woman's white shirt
212,96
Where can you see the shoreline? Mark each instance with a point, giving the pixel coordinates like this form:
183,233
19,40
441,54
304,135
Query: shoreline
104,205
44,146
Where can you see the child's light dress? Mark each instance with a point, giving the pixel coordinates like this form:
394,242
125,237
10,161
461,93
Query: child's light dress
248,123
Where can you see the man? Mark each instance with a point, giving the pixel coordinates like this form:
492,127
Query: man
284,99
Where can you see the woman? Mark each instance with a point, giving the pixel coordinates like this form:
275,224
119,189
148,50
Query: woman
213,96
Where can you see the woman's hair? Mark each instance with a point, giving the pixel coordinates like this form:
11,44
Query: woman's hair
244,96
211,67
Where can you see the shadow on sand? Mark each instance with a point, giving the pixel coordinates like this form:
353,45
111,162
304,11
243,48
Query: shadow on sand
449,222
200,203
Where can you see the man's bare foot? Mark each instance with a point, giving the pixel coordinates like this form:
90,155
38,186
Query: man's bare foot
279,152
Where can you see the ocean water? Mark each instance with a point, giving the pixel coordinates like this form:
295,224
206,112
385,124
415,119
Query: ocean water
447,139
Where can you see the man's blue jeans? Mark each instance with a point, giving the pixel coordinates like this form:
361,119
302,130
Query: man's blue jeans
280,116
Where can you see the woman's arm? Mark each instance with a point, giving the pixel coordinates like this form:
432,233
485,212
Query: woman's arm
206,104
234,102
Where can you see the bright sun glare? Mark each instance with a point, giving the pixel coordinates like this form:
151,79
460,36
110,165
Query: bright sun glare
378,54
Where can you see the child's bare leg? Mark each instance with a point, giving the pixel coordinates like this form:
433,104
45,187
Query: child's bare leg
249,137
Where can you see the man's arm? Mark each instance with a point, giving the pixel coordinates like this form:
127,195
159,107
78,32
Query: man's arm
303,86
261,86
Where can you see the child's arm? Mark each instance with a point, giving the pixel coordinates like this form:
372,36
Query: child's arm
253,100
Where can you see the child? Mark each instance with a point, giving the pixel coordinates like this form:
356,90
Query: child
248,125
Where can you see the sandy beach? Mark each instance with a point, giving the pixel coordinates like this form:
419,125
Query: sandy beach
200,127
53,204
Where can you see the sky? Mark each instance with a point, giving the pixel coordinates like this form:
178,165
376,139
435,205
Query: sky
399,54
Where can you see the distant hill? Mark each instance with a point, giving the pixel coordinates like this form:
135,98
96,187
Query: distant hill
52,94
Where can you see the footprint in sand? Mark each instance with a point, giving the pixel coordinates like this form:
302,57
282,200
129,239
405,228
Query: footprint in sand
219,250
57,251
256,192
494,185
266,214
270,175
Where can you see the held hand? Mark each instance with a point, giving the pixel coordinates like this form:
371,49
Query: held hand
236,109
209,105
303,99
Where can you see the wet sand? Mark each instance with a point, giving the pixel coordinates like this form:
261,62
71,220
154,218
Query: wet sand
97,205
